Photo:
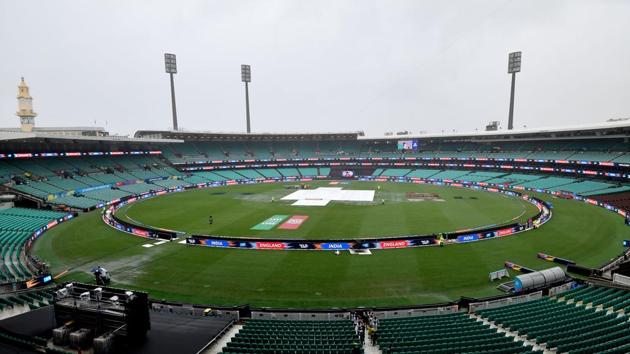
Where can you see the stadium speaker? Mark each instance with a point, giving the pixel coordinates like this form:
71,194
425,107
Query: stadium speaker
61,336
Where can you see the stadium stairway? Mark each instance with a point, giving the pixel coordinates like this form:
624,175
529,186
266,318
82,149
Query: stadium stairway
224,339
369,347
534,346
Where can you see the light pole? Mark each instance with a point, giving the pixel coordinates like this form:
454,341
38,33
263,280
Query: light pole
170,61
246,77
514,66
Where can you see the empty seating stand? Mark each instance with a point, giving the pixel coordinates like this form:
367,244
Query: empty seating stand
250,174
324,171
31,344
591,150
395,172
606,298
289,172
269,172
285,336
453,333
85,173
170,183
566,324
64,180
25,301
16,226
309,171
451,174
420,173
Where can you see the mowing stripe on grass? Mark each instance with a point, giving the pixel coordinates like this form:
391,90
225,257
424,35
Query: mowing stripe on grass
270,223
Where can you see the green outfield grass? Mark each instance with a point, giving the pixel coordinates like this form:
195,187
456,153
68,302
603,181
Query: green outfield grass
587,234
236,209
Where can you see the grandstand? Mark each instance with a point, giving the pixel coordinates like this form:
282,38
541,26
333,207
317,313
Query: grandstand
583,320
88,190
17,225
590,317
21,302
487,145
264,336
454,333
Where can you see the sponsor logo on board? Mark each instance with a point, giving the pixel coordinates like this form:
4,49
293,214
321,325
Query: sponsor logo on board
270,245
468,238
217,243
394,244
335,246
504,232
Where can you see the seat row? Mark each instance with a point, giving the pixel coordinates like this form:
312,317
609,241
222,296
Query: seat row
567,327
285,336
453,333
616,299
32,299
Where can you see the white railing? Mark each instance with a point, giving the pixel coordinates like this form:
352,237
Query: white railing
621,279
490,304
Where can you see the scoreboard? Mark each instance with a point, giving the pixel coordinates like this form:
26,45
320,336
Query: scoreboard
411,144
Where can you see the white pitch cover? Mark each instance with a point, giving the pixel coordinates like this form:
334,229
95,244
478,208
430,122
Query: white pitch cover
322,195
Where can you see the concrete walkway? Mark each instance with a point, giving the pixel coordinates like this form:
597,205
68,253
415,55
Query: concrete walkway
368,348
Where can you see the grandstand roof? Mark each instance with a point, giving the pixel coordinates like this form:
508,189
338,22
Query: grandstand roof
216,136
55,129
615,129
7,135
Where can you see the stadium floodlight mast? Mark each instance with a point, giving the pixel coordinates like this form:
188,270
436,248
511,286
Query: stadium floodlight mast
514,66
170,61
246,77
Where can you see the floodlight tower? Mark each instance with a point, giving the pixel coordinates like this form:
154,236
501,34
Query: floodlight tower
170,61
246,77
514,66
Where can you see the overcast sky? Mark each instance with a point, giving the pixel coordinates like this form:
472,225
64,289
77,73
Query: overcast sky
317,65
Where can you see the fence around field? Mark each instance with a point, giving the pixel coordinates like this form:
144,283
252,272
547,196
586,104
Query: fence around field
349,243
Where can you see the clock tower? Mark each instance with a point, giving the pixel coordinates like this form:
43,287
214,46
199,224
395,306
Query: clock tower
25,108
